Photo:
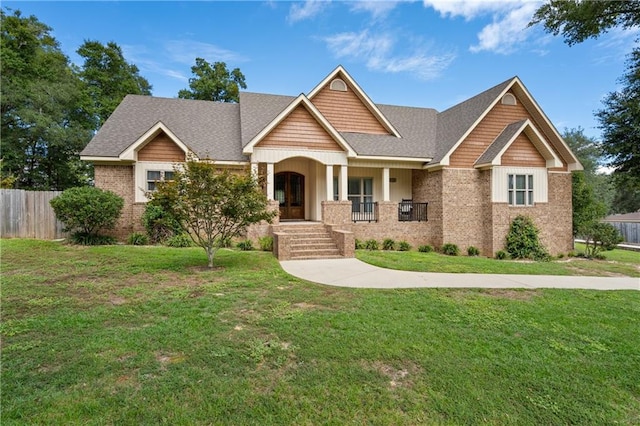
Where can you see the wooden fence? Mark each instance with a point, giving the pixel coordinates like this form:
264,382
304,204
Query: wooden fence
630,230
28,214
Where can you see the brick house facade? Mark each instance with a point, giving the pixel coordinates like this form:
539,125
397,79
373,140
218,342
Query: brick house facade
372,171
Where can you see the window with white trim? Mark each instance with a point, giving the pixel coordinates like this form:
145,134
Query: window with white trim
155,176
520,190
360,193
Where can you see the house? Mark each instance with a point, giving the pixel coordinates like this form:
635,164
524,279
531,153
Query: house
336,160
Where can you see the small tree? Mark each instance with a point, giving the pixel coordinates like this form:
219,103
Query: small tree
87,210
600,236
214,205
522,240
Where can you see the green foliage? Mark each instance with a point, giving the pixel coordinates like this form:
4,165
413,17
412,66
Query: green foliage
473,251
213,204
586,208
522,241
108,77
214,82
87,209
388,244
371,244
45,120
450,249
266,243
360,245
580,20
425,248
501,255
179,241
245,245
600,237
404,246
159,222
627,194
620,122
82,238
137,239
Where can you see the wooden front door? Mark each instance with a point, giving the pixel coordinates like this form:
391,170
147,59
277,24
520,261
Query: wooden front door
289,191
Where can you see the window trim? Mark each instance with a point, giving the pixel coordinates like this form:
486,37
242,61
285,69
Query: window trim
162,172
527,191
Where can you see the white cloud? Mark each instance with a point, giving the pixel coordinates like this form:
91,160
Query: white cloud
377,52
506,31
186,52
377,9
470,9
307,10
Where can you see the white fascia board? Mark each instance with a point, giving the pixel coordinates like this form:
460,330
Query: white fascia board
403,159
359,93
315,113
98,159
130,152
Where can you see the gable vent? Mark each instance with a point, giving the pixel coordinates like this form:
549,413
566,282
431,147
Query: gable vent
338,85
508,99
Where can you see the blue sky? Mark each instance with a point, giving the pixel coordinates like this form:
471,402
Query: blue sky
430,53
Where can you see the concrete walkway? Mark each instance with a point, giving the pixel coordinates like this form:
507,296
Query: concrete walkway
355,273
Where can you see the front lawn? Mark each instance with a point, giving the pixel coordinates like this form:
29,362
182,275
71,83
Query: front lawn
145,335
617,263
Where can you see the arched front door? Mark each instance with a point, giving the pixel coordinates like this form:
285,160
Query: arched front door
289,191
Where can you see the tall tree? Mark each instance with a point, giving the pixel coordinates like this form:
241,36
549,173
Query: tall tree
214,82
578,20
109,77
44,123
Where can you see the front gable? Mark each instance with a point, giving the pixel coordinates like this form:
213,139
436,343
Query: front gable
347,107
162,149
164,144
508,110
299,130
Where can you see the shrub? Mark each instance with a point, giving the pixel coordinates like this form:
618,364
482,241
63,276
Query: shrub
245,245
404,246
572,253
159,223
266,243
359,244
87,210
137,239
522,240
179,241
599,237
371,244
388,244
502,255
450,249
425,249
85,239
473,251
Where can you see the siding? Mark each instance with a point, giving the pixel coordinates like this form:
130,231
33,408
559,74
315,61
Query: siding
346,112
486,131
162,149
300,130
523,153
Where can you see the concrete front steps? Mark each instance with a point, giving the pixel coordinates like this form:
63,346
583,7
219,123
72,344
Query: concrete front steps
308,240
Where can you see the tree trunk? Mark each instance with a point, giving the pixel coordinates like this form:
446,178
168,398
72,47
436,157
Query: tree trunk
210,253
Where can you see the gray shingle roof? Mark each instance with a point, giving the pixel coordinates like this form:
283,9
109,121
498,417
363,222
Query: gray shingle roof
220,130
209,129
500,142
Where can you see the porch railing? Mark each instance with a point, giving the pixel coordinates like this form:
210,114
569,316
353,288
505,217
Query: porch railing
364,212
408,211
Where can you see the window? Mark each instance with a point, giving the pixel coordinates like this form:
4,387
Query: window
520,190
338,85
154,176
508,99
360,191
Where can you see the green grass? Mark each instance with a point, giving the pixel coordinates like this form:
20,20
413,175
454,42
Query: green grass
617,263
145,335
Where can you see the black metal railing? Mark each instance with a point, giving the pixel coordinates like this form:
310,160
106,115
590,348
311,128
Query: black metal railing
408,211
364,212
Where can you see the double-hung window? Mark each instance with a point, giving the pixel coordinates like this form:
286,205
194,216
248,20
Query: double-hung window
361,194
155,176
520,190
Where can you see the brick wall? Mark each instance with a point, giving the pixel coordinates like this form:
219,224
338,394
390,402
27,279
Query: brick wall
119,180
427,188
